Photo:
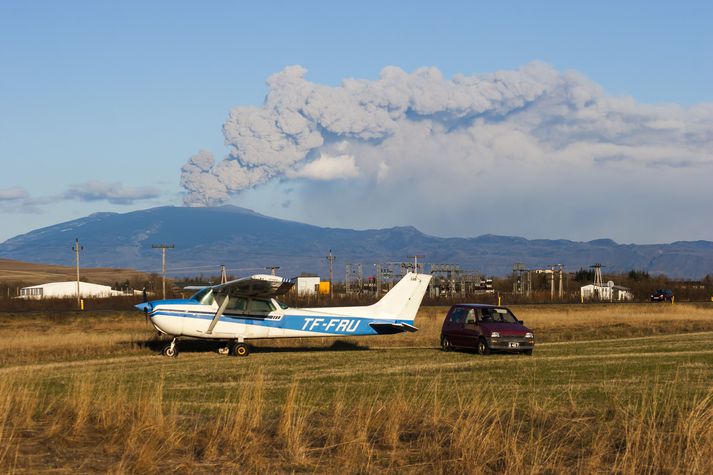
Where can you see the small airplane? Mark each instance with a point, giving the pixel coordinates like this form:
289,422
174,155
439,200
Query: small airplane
246,308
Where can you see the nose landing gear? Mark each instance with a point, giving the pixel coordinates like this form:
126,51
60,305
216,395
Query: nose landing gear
171,350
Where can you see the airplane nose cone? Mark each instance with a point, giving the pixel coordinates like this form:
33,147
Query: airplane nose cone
144,306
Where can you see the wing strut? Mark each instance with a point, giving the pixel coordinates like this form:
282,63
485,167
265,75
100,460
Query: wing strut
220,311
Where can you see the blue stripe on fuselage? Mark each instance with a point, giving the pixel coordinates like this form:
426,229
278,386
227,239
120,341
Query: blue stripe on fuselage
333,325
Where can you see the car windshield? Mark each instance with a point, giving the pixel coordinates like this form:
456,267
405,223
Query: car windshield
497,315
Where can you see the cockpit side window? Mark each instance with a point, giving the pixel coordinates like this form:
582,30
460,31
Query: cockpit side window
238,304
260,306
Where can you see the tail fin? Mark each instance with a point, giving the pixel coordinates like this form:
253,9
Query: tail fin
403,300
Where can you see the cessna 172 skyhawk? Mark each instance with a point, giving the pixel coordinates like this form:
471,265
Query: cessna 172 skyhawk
246,308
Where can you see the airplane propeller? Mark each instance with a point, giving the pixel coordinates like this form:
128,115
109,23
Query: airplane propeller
147,309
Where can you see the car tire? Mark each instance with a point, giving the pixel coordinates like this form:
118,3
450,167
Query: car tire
528,352
446,344
482,347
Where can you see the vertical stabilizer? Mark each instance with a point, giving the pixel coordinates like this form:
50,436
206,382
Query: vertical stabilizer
403,300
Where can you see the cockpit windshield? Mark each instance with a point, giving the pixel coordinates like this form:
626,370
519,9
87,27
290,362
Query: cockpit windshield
204,296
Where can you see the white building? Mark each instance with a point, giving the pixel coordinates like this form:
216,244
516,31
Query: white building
608,293
307,285
68,289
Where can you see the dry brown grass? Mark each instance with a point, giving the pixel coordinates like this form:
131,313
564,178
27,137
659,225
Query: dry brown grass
102,402
32,274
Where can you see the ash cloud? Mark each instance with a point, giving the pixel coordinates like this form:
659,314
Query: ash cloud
535,127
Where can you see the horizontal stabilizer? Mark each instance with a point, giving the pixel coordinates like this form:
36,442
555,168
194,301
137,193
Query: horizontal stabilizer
384,328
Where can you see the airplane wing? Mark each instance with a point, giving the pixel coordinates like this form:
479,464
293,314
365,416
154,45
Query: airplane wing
386,328
258,285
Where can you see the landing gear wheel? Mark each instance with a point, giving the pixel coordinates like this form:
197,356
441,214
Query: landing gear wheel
446,344
241,349
482,347
170,350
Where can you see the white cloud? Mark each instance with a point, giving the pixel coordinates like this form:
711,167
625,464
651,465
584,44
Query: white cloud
327,168
114,193
13,193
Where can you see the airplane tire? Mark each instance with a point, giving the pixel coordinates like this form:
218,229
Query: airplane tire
170,352
241,349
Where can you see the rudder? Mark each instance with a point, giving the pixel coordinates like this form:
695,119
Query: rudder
403,300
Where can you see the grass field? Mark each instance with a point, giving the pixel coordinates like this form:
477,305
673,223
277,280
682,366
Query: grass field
625,389
32,274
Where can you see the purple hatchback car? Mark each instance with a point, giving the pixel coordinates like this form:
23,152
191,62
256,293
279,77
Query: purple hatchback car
485,328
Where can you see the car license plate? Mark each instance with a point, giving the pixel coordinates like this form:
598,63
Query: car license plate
513,344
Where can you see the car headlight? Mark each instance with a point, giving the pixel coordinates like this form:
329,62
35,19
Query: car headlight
495,335
529,335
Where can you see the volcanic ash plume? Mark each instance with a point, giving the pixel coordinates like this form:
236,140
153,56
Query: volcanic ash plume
419,127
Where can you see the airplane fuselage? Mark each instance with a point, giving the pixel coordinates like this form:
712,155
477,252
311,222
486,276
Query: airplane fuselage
191,319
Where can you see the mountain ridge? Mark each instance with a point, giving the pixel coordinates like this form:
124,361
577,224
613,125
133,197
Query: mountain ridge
247,241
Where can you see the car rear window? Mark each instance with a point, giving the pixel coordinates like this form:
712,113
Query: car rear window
458,315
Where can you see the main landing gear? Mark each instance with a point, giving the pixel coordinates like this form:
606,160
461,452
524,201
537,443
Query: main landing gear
171,350
240,348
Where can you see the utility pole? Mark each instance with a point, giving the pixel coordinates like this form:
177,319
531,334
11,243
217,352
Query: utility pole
76,250
331,258
223,274
273,269
163,248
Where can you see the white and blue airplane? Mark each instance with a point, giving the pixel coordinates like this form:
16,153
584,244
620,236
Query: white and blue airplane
246,309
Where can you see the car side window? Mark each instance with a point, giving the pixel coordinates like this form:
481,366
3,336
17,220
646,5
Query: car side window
470,317
485,315
458,315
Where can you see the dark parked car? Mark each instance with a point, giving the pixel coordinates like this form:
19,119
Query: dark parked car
662,295
485,328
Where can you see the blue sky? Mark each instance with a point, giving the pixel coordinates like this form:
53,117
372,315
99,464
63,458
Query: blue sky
95,95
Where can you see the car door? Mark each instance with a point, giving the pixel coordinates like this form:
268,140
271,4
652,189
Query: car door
471,331
455,326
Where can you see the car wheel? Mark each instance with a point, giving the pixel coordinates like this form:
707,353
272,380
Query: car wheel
528,352
446,344
482,347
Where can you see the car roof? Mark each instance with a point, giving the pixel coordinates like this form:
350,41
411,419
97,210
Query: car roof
478,305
